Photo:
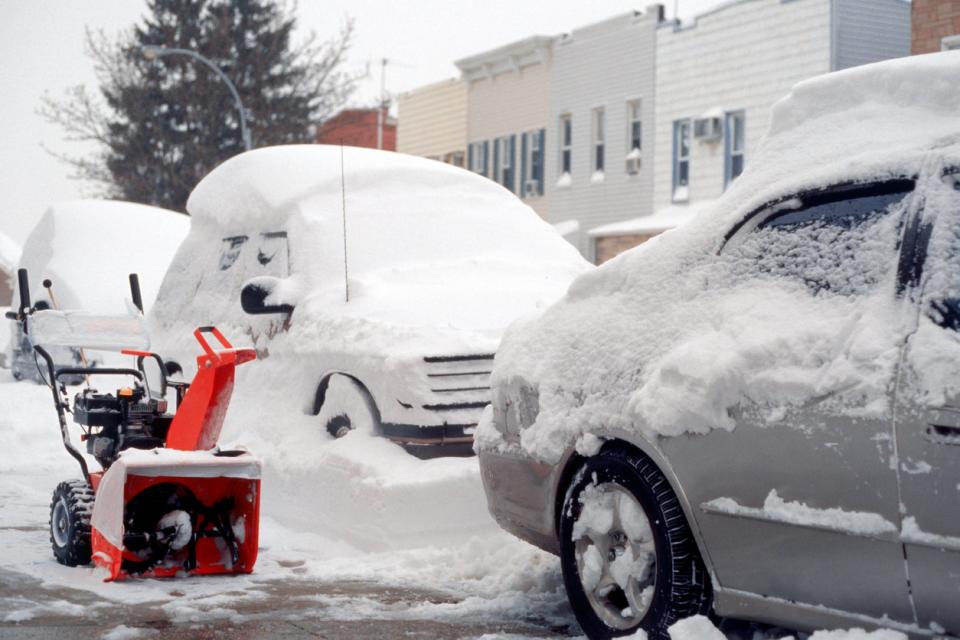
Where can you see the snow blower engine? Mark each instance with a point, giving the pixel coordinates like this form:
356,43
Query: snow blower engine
166,501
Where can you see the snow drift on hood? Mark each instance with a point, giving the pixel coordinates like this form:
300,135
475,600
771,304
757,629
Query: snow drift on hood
665,338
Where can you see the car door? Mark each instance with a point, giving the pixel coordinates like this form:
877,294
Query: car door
799,500
927,419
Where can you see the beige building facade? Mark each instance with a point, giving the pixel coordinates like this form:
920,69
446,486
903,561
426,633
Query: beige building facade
433,122
508,111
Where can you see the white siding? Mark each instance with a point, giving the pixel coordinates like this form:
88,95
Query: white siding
432,120
603,65
743,56
869,31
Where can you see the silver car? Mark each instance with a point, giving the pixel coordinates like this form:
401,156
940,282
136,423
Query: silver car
791,453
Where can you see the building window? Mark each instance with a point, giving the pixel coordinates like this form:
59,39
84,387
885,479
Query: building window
478,157
949,43
599,124
531,167
733,135
634,127
681,160
504,151
566,144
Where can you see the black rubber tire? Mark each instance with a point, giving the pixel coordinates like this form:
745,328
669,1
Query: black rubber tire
76,498
682,586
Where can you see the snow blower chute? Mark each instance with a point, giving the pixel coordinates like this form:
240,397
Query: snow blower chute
166,501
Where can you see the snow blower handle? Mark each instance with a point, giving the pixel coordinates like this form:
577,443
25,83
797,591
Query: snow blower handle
135,292
24,286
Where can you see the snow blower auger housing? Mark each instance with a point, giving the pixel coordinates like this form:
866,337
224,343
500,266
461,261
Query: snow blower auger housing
166,501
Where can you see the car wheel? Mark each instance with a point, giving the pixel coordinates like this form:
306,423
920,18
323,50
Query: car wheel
628,557
70,512
348,407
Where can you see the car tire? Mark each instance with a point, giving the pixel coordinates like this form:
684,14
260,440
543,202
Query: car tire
70,511
348,407
646,559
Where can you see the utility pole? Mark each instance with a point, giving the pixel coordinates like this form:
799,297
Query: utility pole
383,102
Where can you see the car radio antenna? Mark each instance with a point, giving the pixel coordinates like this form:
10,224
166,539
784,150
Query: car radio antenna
343,197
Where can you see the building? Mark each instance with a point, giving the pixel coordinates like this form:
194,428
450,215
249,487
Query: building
599,144
432,122
359,128
508,108
717,79
935,26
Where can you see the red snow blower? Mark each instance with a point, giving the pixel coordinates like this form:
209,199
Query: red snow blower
167,501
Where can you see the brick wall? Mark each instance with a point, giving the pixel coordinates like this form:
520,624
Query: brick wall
610,246
931,21
357,128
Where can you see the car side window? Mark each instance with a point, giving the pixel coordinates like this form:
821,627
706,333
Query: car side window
230,251
942,264
273,254
844,242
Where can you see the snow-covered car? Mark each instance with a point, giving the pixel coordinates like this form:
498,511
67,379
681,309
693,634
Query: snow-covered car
86,249
758,413
376,285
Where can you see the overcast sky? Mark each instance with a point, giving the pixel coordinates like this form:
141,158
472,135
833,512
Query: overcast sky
41,46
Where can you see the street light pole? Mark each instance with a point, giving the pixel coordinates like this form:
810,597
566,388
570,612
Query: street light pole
151,52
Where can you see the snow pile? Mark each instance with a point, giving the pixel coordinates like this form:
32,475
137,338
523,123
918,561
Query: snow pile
695,628
665,338
858,634
87,248
775,507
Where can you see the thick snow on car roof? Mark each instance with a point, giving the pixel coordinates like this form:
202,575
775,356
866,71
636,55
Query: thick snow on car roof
88,247
665,345
399,208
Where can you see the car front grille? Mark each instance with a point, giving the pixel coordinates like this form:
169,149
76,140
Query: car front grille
459,385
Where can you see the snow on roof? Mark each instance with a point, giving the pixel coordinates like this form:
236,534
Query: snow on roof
87,248
9,253
567,227
662,220
400,209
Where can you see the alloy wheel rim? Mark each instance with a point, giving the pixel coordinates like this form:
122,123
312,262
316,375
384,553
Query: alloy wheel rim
615,554
60,523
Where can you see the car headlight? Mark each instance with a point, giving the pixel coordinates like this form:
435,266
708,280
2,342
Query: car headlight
516,405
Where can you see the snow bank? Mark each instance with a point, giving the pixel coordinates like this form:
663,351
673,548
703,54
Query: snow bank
666,337
87,248
695,628
858,634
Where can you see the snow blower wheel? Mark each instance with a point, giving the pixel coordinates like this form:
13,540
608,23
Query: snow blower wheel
70,512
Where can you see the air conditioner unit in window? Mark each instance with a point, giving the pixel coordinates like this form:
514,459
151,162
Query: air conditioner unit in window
633,164
531,188
707,129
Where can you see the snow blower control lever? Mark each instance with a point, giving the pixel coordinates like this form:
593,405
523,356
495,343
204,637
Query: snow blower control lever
166,500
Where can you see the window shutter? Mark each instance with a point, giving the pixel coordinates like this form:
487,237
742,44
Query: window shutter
540,160
496,160
470,164
486,157
523,163
512,178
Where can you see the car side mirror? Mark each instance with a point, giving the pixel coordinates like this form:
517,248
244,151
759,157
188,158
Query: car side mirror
253,297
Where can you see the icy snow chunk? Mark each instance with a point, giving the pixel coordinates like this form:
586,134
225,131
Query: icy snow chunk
858,634
695,628
776,508
123,632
